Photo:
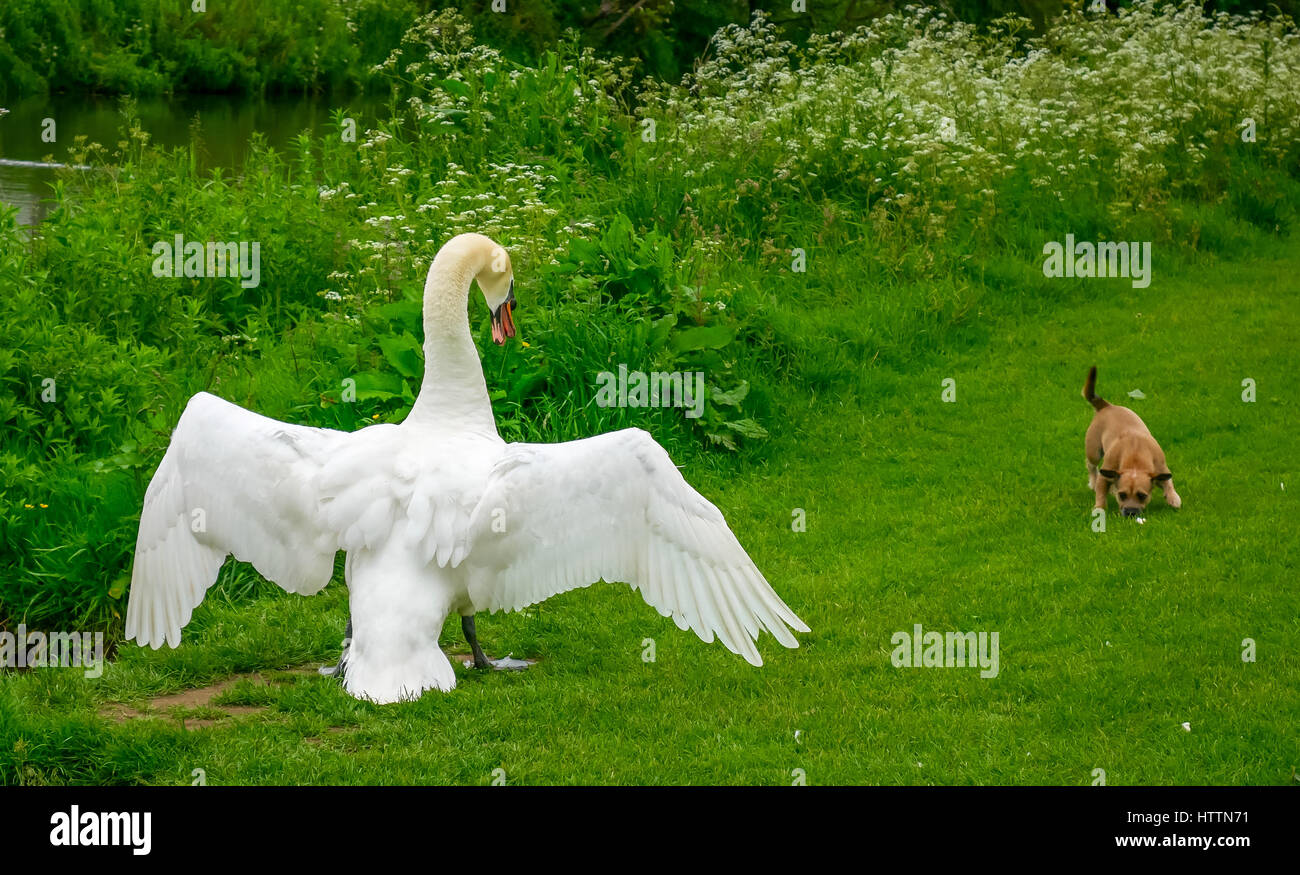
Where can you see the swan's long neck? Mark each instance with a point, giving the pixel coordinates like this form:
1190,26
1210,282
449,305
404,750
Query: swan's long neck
454,393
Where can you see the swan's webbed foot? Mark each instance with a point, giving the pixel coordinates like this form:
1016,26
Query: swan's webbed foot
471,637
336,671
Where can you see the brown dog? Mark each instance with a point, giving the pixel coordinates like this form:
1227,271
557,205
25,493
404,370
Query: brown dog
1134,461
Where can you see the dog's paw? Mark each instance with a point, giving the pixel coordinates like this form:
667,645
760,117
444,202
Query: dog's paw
1174,501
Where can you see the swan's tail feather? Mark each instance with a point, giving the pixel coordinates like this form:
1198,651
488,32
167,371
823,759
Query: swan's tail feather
381,680
397,607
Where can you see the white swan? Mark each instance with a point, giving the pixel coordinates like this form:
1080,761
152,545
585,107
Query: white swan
437,514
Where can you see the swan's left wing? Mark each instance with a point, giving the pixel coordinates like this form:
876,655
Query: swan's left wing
555,517
231,482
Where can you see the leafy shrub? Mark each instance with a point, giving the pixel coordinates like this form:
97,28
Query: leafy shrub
152,46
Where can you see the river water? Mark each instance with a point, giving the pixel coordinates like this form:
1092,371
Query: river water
226,124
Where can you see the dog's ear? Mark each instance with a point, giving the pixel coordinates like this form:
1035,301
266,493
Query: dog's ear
1161,478
1109,475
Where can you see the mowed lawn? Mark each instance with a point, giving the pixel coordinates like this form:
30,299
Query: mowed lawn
972,515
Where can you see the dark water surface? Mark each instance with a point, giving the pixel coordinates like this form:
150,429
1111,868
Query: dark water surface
226,123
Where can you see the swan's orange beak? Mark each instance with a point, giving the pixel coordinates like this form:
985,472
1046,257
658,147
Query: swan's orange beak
503,323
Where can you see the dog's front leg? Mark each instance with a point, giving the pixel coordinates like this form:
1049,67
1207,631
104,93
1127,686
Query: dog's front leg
1171,494
1101,486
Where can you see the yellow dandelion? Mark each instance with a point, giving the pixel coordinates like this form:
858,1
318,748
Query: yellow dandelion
43,506
29,506
526,343
376,416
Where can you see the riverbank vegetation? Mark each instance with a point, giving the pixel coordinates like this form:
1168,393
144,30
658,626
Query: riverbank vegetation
828,230
753,222
146,47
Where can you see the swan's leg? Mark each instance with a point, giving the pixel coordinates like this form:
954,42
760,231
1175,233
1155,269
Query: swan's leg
467,626
480,660
333,671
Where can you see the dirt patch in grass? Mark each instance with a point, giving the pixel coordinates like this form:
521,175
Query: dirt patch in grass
199,699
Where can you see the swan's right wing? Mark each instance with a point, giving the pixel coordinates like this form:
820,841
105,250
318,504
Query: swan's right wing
554,517
231,482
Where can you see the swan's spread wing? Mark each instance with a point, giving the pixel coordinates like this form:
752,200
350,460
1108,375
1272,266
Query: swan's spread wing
555,517
231,481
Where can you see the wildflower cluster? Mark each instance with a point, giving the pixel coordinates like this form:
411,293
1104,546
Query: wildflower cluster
917,110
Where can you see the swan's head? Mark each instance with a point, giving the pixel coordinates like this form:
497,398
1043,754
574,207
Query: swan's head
462,261
497,281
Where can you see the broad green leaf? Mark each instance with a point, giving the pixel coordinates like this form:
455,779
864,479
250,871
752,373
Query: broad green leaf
408,313
404,353
379,386
703,337
456,87
659,333
721,439
747,427
732,398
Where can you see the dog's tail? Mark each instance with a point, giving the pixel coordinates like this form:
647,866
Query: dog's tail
1090,391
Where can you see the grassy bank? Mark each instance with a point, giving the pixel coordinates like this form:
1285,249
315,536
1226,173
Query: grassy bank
827,232
972,515
751,223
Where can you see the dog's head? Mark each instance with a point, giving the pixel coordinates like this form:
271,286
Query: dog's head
1133,488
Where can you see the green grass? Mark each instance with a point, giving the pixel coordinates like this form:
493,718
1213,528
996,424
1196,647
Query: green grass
971,515
922,207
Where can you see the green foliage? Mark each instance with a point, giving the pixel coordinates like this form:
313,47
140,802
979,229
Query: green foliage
917,165
157,46
154,46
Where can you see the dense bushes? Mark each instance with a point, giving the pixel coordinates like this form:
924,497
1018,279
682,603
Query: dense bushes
156,46
782,216
152,46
